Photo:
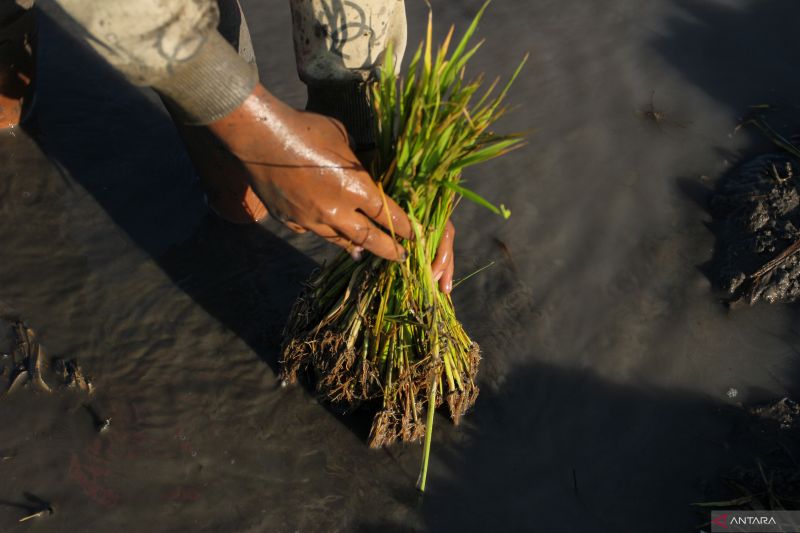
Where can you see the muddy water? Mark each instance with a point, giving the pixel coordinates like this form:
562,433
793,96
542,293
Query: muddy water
612,374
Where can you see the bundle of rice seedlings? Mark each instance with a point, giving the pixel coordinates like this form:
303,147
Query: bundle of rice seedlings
381,331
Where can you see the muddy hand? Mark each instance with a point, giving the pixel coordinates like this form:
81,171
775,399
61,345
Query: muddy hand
301,166
443,264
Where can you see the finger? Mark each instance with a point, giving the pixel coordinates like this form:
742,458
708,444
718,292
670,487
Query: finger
446,283
444,252
443,264
333,237
385,211
364,233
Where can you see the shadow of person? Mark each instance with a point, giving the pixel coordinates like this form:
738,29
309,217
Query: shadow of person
560,450
117,142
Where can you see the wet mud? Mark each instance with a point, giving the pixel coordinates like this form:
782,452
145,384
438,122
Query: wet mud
756,207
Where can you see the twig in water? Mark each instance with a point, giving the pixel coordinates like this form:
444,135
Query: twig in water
43,507
34,515
780,259
100,424
657,116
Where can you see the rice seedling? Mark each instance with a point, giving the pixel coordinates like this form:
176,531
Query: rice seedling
379,331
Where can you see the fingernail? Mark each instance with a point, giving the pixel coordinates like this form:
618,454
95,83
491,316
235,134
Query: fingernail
404,255
438,276
356,252
448,287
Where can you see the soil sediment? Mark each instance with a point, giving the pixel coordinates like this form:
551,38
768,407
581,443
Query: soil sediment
757,206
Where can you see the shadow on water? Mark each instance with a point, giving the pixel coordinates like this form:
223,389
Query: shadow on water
118,143
623,459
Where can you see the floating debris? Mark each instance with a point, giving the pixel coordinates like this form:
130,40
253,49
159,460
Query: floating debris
35,515
27,360
101,424
39,508
26,365
20,379
71,375
657,116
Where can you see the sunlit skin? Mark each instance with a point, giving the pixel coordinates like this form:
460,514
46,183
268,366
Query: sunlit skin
15,80
302,168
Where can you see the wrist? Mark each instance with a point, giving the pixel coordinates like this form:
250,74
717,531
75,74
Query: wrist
261,119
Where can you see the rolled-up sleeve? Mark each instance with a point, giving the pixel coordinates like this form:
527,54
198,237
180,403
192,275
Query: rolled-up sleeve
172,46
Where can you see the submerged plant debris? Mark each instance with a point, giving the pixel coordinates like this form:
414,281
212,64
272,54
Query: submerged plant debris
27,360
26,366
771,481
382,332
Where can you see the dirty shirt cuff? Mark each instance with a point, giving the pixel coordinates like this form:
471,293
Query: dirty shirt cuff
210,84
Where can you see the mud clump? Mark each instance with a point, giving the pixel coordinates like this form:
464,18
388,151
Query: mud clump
785,412
758,220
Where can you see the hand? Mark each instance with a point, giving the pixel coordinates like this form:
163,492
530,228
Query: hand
301,166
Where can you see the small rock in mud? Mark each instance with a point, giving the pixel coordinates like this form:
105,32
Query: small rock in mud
758,252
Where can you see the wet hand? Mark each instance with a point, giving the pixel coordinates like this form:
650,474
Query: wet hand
302,168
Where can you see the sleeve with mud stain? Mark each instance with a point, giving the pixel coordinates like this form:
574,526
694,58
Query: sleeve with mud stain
171,45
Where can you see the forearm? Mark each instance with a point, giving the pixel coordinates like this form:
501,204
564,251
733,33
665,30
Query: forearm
267,132
261,121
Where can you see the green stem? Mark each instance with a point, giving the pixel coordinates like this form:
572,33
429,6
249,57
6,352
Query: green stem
426,453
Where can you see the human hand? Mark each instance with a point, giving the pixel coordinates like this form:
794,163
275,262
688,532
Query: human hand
302,168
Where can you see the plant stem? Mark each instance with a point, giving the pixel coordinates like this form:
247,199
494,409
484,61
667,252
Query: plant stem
426,453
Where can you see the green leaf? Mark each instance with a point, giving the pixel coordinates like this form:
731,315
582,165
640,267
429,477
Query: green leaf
495,149
462,45
477,198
